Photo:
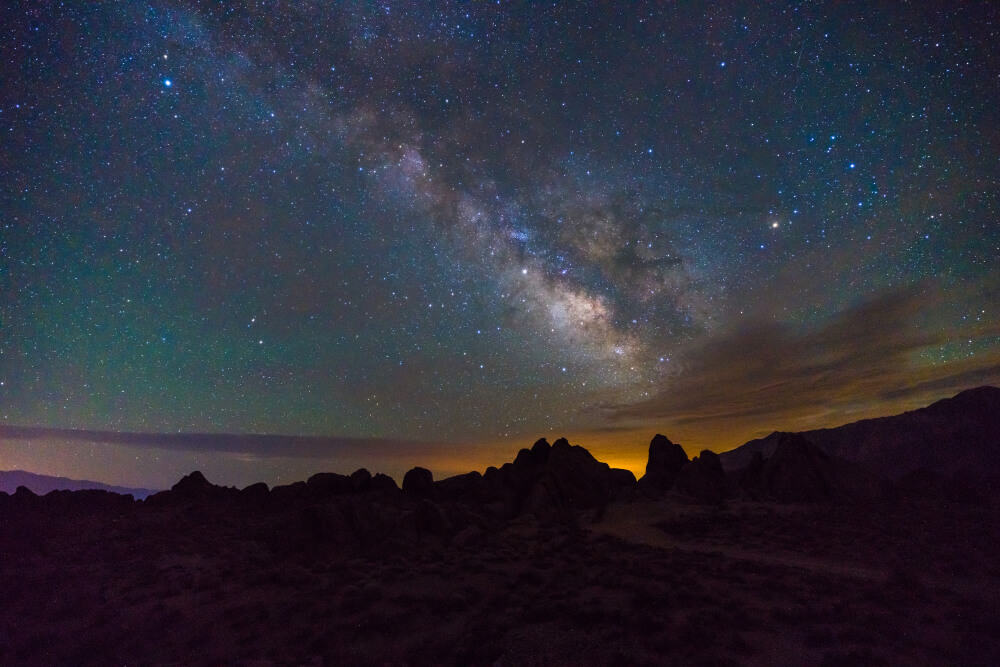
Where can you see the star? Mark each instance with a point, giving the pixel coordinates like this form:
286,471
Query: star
530,202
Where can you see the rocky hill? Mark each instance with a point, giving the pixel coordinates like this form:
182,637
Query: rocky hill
958,436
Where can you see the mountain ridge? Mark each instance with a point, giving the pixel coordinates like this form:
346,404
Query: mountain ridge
42,484
955,435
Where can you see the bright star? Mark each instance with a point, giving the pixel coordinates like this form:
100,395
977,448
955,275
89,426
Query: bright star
168,83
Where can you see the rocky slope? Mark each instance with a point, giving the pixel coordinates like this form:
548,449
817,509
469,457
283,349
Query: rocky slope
958,436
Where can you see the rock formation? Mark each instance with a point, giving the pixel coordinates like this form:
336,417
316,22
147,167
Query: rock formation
703,479
666,459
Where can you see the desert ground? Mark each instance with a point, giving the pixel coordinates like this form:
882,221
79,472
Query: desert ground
639,581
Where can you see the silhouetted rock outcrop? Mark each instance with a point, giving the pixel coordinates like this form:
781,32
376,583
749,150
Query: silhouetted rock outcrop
547,480
797,471
383,483
703,478
540,450
329,484
543,480
800,472
192,489
666,459
193,484
537,455
622,479
289,494
469,487
255,494
63,503
419,483
361,480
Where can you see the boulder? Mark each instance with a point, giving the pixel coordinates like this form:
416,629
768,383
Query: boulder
543,498
540,450
569,479
383,483
469,487
324,484
289,494
419,483
361,480
666,459
255,494
622,479
84,501
191,489
22,498
703,478
193,485
524,459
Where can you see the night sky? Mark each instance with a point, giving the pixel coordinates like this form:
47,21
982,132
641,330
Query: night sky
433,232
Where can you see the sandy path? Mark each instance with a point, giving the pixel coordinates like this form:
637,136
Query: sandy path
637,524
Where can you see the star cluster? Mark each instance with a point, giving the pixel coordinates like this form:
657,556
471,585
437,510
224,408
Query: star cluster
475,222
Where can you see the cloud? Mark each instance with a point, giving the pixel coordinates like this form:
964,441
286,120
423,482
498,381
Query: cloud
962,379
248,445
777,375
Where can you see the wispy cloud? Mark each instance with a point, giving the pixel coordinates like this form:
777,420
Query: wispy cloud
776,375
247,445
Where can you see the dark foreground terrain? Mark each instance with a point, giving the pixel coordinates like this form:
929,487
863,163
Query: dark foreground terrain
654,582
797,557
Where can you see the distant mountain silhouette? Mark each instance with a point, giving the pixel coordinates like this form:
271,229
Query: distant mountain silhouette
958,436
42,484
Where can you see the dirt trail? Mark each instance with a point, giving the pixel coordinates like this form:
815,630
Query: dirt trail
639,527
637,523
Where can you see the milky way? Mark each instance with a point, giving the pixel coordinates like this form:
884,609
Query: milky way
473,222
